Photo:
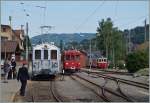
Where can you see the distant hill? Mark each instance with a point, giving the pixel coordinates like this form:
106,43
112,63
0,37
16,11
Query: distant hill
137,34
56,38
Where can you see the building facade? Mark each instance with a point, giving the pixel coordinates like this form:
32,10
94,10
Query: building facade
11,42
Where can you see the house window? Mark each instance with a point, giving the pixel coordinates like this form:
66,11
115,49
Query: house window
21,43
4,30
4,38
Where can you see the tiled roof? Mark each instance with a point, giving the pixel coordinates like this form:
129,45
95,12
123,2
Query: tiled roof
5,26
18,32
8,46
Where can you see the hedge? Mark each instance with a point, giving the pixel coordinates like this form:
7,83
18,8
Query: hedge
137,60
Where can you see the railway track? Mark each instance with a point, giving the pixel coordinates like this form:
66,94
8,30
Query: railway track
129,82
112,72
100,96
120,81
105,91
45,92
55,93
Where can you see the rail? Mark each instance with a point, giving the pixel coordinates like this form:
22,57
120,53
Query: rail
105,89
134,83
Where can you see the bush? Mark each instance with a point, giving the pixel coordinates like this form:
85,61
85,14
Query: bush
136,61
120,64
110,66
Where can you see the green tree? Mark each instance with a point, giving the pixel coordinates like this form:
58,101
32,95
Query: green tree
27,42
61,45
110,41
105,34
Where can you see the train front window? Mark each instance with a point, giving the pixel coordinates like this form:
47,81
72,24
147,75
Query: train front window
99,60
67,57
37,54
72,57
105,60
45,54
77,57
53,54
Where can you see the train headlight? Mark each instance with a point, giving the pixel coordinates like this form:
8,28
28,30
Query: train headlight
79,63
66,63
34,65
54,64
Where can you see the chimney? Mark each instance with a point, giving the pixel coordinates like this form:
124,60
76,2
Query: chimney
22,30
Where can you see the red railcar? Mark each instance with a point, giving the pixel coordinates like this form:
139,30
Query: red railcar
102,63
71,60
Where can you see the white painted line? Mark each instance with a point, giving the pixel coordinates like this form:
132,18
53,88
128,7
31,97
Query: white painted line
146,93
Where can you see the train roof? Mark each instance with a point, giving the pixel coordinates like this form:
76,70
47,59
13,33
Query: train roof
102,58
73,52
46,46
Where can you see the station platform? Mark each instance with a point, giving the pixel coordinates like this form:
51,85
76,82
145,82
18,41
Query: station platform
9,90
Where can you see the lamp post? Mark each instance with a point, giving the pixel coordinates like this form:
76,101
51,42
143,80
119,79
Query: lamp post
27,41
90,57
27,29
5,48
44,15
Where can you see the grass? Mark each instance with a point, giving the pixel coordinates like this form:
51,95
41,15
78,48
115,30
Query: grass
143,72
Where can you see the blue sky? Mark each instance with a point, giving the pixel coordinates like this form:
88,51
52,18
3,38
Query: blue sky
74,16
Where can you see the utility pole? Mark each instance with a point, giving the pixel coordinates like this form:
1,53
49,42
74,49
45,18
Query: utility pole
129,44
90,56
27,41
10,19
11,37
145,31
113,53
106,50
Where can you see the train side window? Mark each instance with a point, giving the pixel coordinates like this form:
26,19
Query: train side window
99,60
77,57
37,54
104,60
45,54
53,54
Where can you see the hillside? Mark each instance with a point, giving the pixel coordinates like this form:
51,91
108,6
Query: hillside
77,37
137,34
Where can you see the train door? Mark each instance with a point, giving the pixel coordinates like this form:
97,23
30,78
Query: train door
36,60
106,63
45,60
100,62
54,61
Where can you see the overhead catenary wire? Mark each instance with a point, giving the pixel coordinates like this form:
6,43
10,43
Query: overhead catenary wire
116,7
90,15
24,10
132,22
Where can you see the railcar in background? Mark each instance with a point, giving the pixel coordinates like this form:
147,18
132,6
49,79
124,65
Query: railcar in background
46,60
71,60
102,63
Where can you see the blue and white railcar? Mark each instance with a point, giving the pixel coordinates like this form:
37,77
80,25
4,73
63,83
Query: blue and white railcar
46,59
